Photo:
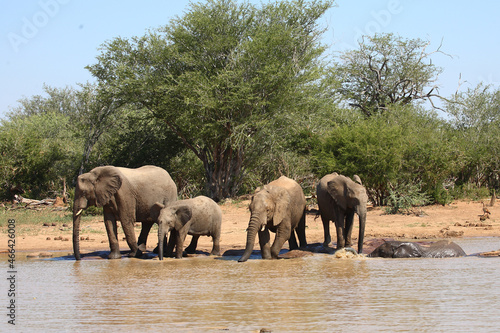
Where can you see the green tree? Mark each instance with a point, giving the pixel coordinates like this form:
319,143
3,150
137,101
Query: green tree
387,70
96,112
218,75
475,115
59,100
404,149
36,153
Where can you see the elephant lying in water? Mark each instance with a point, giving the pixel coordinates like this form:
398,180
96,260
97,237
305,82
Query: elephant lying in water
396,249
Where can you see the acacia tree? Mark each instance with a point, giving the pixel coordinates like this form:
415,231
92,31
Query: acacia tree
218,74
385,70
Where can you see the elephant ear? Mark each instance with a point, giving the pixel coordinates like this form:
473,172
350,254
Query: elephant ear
338,192
282,203
154,212
184,214
357,179
107,183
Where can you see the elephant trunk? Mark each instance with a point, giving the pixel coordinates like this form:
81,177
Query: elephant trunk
253,227
362,223
76,232
162,233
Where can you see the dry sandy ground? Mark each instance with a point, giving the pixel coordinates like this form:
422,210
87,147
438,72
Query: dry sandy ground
460,219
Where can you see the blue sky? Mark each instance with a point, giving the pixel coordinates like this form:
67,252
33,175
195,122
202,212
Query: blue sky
51,41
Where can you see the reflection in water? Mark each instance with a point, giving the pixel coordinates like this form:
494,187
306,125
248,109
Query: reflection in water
318,293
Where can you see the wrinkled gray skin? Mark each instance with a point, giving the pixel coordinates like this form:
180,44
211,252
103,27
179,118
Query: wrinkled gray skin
278,207
339,198
396,249
200,216
126,195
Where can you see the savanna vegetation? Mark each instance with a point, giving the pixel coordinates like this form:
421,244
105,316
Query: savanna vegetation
231,95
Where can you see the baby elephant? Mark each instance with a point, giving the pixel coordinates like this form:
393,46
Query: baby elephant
198,216
396,249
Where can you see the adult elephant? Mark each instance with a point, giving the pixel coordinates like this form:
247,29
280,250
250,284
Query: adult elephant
397,249
278,207
339,197
200,216
126,195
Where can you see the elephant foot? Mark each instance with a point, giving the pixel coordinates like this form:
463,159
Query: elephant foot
190,251
215,253
114,255
138,254
142,247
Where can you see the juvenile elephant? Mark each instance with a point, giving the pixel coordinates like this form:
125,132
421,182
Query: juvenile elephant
126,195
396,249
280,208
339,198
197,217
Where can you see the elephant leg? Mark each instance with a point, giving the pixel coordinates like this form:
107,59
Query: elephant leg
112,230
216,244
292,241
191,249
143,236
181,236
349,223
340,226
301,230
264,242
170,245
282,232
128,229
326,230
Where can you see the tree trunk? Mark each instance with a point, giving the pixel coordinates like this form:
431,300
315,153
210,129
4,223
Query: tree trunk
223,172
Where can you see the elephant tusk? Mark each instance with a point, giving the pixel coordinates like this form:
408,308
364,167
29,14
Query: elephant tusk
263,227
79,212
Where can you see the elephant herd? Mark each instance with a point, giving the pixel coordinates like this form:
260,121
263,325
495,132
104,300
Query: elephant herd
149,195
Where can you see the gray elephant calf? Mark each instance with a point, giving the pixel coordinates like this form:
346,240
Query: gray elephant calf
197,217
278,207
396,249
339,198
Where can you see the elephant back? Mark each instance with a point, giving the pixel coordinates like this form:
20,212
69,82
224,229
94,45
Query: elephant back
297,197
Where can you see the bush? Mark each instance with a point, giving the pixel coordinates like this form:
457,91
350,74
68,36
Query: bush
403,198
405,146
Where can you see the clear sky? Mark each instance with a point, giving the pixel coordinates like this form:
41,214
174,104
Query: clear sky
51,41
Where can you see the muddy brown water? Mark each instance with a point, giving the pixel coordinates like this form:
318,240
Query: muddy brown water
318,293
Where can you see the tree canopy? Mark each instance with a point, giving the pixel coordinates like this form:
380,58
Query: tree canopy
230,96
219,74
387,70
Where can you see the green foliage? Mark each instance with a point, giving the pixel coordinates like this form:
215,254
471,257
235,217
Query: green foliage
136,139
36,153
476,120
404,197
187,172
218,75
470,191
406,145
230,96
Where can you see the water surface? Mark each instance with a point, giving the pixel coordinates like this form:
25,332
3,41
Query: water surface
311,294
